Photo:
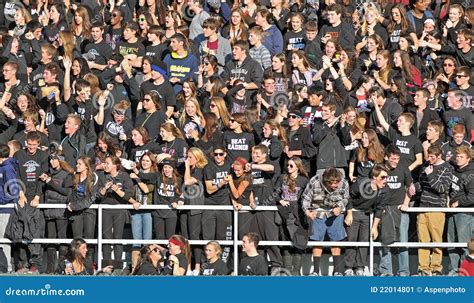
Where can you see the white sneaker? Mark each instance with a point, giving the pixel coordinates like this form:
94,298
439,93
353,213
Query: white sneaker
195,272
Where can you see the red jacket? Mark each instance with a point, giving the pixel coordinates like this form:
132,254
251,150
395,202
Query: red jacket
467,267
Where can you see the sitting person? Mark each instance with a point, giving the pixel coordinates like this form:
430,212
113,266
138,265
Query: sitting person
150,261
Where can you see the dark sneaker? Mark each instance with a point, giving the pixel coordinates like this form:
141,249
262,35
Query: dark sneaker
424,273
436,273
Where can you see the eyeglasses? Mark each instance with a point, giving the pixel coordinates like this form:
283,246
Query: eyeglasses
448,64
461,76
383,177
212,105
219,154
290,165
293,116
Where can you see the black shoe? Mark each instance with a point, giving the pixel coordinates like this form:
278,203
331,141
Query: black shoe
436,273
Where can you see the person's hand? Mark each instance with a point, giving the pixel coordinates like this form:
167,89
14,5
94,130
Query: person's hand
376,75
123,137
161,157
228,178
136,205
108,184
91,64
174,205
442,77
173,259
43,177
69,207
68,270
449,24
289,154
349,219
115,187
411,190
29,36
253,205
193,134
325,39
133,176
284,203
201,69
311,214
22,200
34,202
336,211
326,61
352,178
237,206
248,167
403,207
367,62
454,204
422,43
275,132
375,233
429,169
8,112
67,63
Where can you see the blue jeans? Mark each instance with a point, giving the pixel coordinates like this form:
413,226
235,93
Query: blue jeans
403,256
460,229
385,266
141,226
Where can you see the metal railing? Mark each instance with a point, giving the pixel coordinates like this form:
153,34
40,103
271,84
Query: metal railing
236,242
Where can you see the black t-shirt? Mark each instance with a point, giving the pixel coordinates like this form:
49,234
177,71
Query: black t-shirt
151,122
462,116
253,266
409,146
138,151
238,145
168,268
155,51
263,186
362,169
294,41
176,148
398,180
164,90
218,268
126,48
99,53
216,174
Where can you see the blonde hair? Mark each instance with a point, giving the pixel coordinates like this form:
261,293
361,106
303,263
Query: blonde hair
194,101
201,160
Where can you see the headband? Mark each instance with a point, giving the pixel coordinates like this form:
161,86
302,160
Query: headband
176,242
241,161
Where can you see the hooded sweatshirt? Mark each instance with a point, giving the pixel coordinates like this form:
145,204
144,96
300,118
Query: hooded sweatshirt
181,67
8,172
462,188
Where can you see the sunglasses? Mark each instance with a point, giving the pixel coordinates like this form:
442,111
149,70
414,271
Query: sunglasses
448,64
114,15
232,120
146,100
290,165
206,63
141,19
156,249
293,116
219,154
383,177
461,76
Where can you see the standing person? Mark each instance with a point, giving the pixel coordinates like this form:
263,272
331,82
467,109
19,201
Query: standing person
337,29
434,183
98,51
366,156
217,224
32,163
190,220
324,201
117,189
399,181
457,114
177,256
461,225
253,264
141,219
151,114
458,139
292,184
172,145
274,39
84,193
214,266
240,139
9,171
365,194
242,195
168,184
181,64
58,187
263,182
299,140
259,52
214,43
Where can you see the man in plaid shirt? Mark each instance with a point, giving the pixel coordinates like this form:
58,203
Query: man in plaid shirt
324,202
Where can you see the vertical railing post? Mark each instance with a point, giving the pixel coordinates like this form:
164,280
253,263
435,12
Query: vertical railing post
99,239
371,246
236,239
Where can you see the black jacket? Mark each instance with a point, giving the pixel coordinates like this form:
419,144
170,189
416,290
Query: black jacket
330,142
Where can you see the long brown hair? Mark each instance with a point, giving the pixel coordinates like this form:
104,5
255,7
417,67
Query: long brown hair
175,179
274,124
154,163
86,23
90,175
223,111
301,171
170,127
211,126
68,44
404,20
242,120
374,151
186,249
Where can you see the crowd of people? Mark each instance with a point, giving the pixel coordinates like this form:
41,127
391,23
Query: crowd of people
330,111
